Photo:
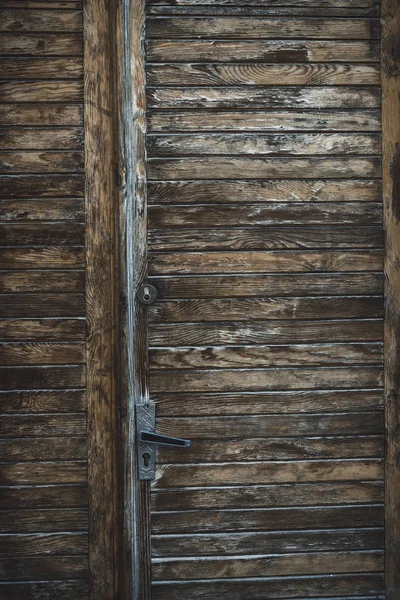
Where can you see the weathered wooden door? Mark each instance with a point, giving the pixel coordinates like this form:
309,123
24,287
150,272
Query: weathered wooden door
259,221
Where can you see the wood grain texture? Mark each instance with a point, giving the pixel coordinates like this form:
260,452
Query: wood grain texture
40,20
52,448
211,544
39,568
205,167
182,74
282,402
273,261
344,585
65,590
42,281
43,401
258,144
42,544
41,91
35,209
391,199
263,496
266,238
265,98
42,305
272,51
45,496
233,27
40,115
40,68
100,181
270,566
39,473
47,139
237,192
51,44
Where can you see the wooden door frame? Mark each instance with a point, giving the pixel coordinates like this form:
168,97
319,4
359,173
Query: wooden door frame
115,129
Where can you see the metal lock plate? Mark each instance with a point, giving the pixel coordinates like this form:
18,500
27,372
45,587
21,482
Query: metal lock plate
146,420
147,293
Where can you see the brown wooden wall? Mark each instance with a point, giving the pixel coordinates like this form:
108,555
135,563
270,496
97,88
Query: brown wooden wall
43,493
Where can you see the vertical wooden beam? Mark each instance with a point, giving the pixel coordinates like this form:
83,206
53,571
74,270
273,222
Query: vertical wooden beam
100,294
132,252
391,201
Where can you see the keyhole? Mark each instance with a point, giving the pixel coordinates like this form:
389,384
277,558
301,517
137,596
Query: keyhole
146,295
146,459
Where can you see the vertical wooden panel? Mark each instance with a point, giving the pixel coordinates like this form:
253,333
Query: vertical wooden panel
100,288
132,368
391,199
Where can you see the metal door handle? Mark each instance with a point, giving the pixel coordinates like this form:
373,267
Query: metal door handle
150,437
147,438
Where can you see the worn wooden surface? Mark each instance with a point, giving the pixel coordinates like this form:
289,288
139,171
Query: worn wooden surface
43,475
266,343
391,202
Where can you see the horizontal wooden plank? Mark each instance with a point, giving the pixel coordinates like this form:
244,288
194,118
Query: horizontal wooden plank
42,305
44,496
37,473
268,566
260,449
266,426
264,332
250,74
42,258
237,192
335,307
250,286
223,167
271,519
41,91
39,4
31,161
259,144
271,51
210,544
41,115
42,234
239,28
271,261
42,281
42,353
45,186
43,401
18,67
40,20
43,521
42,425
34,449
243,380
43,139
283,402
273,213
291,3
71,44
39,377
262,10
42,329
45,567
192,239
254,357
299,494
256,589
271,97
42,209
63,590
42,544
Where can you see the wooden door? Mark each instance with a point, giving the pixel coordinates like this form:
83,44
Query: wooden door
257,215
265,347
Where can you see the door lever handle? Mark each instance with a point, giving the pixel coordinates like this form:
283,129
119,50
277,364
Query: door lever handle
147,438
150,437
